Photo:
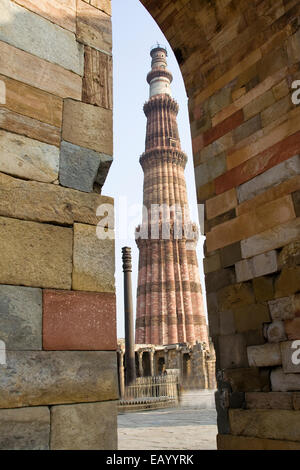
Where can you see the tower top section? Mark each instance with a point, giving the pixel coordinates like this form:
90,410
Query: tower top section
159,78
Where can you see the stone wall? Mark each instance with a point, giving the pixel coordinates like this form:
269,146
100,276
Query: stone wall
239,60
58,388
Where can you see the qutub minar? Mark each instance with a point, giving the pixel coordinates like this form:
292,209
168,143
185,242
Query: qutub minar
169,298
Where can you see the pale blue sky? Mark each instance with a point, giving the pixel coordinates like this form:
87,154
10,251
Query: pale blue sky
134,32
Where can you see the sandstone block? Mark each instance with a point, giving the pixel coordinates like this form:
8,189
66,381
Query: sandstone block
223,127
289,255
93,27
206,191
232,350
219,100
58,377
212,263
86,426
28,127
33,34
79,321
282,309
231,254
93,260
259,265
28,158
263,288
271,239
229,442
25,67
288,282
271,424
220,204
296,201
25,428
292,328
251,317
270,400
88,126
227,323
248,128
209,170
282,382
220,219
21,317
258,104
97,80
269,178
293,48
237,295
290,352
218,279
264,355
296,401
275,332
103,5
61,13
35,255
248,379
279,108
56,204
280,90
221,145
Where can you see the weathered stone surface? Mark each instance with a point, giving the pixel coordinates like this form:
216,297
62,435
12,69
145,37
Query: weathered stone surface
264,355
270,400
80,168
288,282
25,428
248,128
237,295
93,27
219,100
229,442
88,126
33,34
56,204
28,158
29,127
296,401
213,314
263,288
259,104
218,279
282,382
221,145
26,67
271,239
221,203
220,219
289,255
272,424
21,317
269,178
251,317
279,108
209,170
292,328
293,48
211,263
282,309
32,102
35,255
79,321
97,80
231,254
59,12
259,265
290,352
221,399
275,332
248,379
296,201
57,377
86,426
93,260
233,351
227,323
103,5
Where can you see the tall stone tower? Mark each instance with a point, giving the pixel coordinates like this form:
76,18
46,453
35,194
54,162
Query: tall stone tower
169,298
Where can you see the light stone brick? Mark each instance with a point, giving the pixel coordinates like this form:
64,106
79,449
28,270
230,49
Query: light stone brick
282,309
209,170
259,265
264,355
34,34
269,400
282,382
28,158
275,332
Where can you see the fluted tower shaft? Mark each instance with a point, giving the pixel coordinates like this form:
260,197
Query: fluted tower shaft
169,298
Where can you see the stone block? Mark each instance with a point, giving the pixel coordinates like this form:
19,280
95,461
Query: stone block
269,401
248,379
93,27
235,296
61,13
103,5
274,176
222,412
25,428
220,219
282,309
290,352
279,108
258,104
220,204
264,355
227,323
223,127
211,263
34,254
32,102
33,34
293,48
232,350
229,442
28,158
275,332
251,317
58,377
88,126
280,90
246,129
271,239
218,279
296,401
205,192
231,254
288,282
56,204
21,317
97,79
93,260
289,255
271,424
86,426
29,127
79,321
296,201
210,169
263,288
81,168
259,265
26,67
292,328
282,382
221,145
219,100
